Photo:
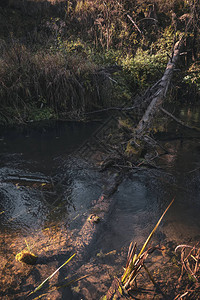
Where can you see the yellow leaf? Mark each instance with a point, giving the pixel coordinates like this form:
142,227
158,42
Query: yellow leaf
120,290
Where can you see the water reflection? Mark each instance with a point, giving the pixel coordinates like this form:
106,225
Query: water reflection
38,179
55,190
142,199
43,190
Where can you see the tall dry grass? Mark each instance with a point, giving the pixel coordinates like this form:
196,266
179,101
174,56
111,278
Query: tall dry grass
68,84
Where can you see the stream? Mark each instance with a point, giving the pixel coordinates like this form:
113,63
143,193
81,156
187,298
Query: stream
47,190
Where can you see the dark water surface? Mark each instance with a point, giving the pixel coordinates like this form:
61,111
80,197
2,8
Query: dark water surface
142,198
43,183
34,156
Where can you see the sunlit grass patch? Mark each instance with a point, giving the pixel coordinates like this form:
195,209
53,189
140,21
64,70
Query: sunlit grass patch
135,263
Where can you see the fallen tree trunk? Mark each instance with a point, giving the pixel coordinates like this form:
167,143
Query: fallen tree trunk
117,290
162,87
98,214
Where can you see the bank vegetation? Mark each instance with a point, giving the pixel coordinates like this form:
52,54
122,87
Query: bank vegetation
61,59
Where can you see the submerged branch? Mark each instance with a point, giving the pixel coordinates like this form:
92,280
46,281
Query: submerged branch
178,120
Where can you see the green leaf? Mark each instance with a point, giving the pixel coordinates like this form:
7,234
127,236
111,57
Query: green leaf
41,285
153,231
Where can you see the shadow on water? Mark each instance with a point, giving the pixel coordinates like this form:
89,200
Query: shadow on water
46,193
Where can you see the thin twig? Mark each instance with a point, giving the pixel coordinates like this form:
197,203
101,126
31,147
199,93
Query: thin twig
138,29
178,120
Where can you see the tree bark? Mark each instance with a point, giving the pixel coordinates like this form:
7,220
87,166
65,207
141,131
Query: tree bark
157,99
162,87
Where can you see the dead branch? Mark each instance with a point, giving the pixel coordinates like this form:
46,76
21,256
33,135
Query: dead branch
178,120
189,261
146,19
138,29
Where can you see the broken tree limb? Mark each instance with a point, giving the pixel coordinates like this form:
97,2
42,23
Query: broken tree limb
178,120
134,23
